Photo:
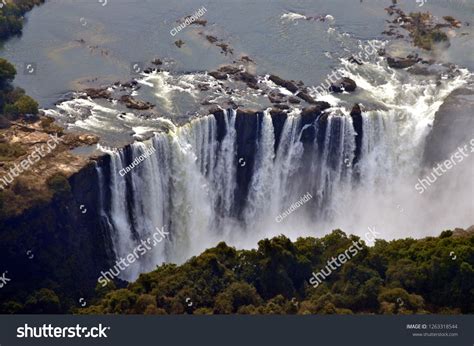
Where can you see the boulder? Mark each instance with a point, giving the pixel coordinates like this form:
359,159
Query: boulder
305,96
282,106
98,93
211,39
343,84
400,63
247,78
315,110
218,75
130,84
157,62
293,100
133,103
276,97
453,21
284,83
229,69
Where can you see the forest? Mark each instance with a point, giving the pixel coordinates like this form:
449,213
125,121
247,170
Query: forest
404,276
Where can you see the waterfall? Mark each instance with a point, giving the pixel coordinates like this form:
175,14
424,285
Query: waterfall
260,186
287,164
224,171
190,184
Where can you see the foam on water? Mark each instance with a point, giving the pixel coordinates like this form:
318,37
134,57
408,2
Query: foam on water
189,185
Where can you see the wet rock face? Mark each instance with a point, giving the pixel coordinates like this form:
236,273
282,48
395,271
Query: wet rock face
246,125
278,120
357,121
453,127
314,115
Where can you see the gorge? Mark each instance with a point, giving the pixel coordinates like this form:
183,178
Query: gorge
253,145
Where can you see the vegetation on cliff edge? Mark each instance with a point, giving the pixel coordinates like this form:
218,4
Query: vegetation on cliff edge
402,276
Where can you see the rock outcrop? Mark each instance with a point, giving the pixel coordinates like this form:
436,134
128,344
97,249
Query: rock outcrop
343,84
132,103
453,127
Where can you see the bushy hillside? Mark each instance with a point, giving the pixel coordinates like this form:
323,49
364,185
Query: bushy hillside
431,275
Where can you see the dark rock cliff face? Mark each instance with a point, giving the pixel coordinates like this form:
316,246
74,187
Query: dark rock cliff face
246,126
357,121
453,127
59,245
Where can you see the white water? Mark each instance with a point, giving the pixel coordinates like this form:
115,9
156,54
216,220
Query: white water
189,185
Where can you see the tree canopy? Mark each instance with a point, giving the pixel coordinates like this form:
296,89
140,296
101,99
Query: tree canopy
398,277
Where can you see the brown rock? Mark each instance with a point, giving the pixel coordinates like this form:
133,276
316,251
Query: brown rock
284,83
293,100
305,96
98,93
211,38
218,75
400,63
132,103
157,62
248,78
317,109
344,84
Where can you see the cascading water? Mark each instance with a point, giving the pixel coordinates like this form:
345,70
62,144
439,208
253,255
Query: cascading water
359,173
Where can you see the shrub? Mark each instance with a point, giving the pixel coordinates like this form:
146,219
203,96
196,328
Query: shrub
11,111
43,301
9,152
26,105
46,122
59,184
21,186
7,72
